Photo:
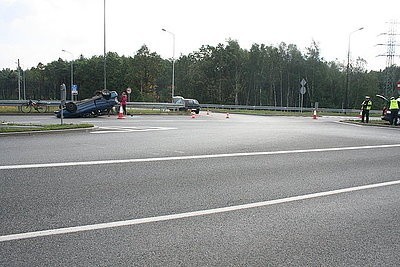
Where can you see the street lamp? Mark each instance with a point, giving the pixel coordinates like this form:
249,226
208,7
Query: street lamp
348,71
173,63
19,80
72,72
105,51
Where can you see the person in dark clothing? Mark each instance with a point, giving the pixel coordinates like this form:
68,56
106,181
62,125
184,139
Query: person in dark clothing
394,111
124,100
366,106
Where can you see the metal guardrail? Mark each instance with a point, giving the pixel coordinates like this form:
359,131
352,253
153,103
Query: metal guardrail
56,103
289,109
172,106
150,105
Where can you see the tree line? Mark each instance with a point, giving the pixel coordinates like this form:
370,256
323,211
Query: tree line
223,74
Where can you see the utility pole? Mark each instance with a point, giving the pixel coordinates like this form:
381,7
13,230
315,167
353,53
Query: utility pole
19,81
173,63
346,100
105,51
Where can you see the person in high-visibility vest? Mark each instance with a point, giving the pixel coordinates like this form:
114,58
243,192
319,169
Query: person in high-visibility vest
394,111
366,106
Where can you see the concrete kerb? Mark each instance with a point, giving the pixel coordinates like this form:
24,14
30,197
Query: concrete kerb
371,123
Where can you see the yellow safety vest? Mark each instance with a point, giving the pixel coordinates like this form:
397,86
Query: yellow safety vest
366,105
369,105
394,104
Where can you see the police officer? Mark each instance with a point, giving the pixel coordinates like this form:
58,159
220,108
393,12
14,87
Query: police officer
394,111
366,106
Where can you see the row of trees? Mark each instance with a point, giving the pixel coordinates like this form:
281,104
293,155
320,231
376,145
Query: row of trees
224,74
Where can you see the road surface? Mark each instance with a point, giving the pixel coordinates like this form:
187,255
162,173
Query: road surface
182,191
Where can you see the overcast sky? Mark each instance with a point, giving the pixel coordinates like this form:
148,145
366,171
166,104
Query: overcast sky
38,30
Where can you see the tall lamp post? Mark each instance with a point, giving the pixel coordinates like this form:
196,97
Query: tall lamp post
105,51
348,71
19,80
173,63
72,72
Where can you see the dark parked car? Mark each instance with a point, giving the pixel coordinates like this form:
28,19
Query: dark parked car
100,104
189,104
386,112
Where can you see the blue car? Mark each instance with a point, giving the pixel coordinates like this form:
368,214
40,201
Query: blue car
100,104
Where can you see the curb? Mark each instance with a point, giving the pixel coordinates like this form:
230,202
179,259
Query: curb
370,124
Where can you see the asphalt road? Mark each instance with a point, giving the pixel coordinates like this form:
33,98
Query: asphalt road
204,191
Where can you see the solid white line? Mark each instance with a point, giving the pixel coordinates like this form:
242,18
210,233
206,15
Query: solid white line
244,154
92,227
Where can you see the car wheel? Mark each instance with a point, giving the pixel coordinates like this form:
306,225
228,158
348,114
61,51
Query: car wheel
106,94
71,107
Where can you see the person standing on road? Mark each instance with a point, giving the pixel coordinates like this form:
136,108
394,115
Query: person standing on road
124,100
366,106
394,111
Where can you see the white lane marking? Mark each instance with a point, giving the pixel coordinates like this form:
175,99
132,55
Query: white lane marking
244,154
99,226
347,123
116,129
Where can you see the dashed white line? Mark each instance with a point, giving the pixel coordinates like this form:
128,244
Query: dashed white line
244,154
76,229
103,130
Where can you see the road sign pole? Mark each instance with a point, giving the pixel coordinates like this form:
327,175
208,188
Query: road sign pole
63,91
302,92
129,91
302,98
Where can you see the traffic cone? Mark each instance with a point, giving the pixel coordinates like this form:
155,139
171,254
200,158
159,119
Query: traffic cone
227,115
193,115
314,114
121,113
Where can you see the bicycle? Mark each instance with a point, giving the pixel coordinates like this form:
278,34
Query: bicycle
40,107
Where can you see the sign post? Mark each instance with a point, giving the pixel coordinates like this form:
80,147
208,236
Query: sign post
302,92
63,91
74,91
129,91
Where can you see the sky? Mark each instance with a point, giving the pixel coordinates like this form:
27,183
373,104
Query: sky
36,31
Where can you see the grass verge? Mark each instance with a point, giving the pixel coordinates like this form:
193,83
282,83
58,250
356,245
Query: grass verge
16,127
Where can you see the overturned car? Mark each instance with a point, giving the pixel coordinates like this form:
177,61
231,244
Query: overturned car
100,104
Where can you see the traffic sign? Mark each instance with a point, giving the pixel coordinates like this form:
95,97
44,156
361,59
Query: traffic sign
302,90
74,89
303,82
128,90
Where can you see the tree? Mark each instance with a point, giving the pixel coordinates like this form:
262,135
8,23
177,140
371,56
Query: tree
146,69
222,74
